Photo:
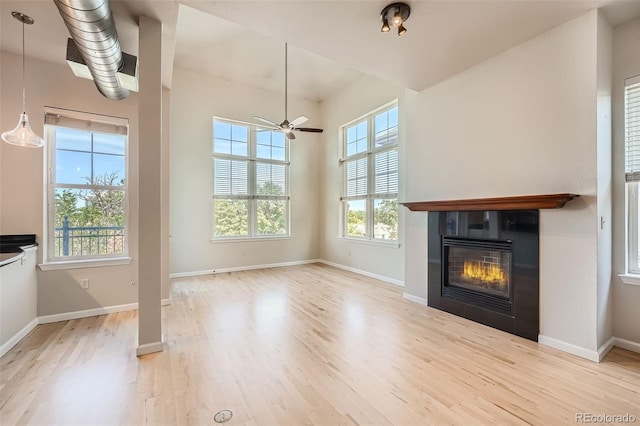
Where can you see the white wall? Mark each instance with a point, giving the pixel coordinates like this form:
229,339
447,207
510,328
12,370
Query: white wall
195,99
626,63
523,123
359,98
21,181
604,182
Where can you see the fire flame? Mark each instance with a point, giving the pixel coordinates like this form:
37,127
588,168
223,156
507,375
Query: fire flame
484,272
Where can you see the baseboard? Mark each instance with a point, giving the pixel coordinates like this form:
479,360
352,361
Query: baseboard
46,319
589,354
17,337
241,268
605,348
415,299
149,348
361,272
626,344
191,274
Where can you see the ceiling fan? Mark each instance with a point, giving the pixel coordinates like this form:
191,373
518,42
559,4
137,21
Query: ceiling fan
287,127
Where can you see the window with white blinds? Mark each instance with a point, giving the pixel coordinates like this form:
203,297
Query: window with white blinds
250,181
369,161
632,171
632,129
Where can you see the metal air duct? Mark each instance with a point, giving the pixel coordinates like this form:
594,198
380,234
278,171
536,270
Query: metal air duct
94,33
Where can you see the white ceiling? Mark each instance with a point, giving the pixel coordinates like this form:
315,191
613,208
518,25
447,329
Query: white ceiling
330,42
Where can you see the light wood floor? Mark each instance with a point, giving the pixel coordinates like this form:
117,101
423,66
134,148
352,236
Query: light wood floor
303,345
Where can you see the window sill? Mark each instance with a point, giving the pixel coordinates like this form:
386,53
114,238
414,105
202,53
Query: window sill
376,243
248,239
89,263
630,279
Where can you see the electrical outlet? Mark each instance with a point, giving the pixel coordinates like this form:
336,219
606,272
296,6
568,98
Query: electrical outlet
84,283
244,252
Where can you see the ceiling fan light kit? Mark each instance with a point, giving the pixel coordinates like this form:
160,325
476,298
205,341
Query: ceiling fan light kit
22,135
287,127
395,15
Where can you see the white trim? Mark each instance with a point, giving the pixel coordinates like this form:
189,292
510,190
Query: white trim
589,354
66,316
18,336
216,240
371,242
626,344
365,273
192,274
415,299
630,279
78,264
241,268
279,265
149,348
605,348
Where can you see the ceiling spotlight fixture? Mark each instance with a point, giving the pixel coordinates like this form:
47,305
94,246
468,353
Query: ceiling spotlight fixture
22,135
395,14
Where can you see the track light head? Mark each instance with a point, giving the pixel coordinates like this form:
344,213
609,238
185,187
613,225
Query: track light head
401,29
385,26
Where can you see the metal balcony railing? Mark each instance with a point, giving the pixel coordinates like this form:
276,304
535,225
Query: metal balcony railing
88,240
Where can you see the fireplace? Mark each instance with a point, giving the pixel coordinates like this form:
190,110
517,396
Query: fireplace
483,265
478,271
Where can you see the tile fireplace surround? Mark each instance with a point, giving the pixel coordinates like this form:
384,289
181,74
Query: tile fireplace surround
486,230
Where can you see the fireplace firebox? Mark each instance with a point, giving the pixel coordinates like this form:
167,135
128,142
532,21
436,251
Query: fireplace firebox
483,265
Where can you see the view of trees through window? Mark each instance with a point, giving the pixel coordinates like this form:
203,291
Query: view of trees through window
370,174
89,195
250,176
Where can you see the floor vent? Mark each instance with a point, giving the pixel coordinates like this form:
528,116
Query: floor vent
223,416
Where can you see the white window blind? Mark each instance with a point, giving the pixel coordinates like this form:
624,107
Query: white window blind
231,177
386,172
356,178
632,129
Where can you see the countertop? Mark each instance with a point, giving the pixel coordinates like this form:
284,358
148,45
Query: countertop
12,247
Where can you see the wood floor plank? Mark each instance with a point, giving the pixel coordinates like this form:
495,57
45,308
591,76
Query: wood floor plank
303,345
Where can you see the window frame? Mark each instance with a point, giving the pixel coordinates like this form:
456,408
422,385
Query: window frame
632,182
370,197
252,197
94,123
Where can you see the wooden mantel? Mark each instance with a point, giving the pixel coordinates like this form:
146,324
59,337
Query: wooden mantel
523,202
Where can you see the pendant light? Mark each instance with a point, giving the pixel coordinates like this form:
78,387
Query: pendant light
22,135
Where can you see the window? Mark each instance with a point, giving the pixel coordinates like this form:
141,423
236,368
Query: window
250,181
87,206
369,199
632,170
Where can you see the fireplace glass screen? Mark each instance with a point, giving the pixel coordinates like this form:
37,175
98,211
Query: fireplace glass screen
481,270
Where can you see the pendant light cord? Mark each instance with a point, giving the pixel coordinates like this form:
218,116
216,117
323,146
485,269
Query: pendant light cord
24,90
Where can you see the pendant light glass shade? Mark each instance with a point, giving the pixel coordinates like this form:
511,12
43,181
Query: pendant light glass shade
22,135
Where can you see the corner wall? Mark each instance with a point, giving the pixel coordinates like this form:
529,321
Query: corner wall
22,189
523,123
626,297
357,99
195,100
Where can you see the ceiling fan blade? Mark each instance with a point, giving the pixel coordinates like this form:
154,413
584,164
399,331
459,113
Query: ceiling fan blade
309,129
289,135
273,123
298,121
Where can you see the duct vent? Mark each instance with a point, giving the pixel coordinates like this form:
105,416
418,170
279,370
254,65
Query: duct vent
127,76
